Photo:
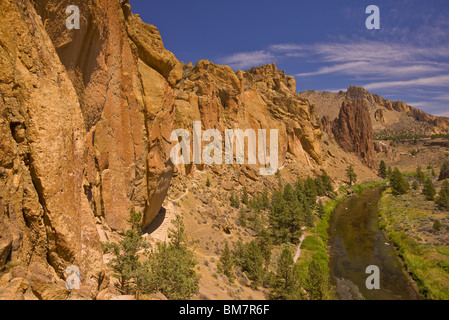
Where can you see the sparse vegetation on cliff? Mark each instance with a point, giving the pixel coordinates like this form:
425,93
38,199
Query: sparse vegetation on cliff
168,268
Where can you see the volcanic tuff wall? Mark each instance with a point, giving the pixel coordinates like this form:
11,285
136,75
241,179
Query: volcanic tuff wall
85,122
353,130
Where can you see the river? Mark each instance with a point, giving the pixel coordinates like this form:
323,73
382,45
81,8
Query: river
356,242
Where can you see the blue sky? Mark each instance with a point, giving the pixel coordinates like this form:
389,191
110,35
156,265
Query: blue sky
323,43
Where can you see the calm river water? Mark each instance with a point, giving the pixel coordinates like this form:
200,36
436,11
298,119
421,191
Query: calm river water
356,242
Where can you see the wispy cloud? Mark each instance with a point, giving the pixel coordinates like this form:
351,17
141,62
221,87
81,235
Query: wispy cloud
371,59
442,97
243,60
436,81
363,59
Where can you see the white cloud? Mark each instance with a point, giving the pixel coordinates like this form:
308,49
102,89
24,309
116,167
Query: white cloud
442,97
436,81
243,60
286,47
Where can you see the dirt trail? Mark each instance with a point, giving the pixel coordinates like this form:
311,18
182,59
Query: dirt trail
298,248
164,220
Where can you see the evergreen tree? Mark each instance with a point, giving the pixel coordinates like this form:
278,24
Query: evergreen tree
245,199
443,170
125,263
382,169
278,218
265,200
208,182
398,183
319,187
310,192
320,210
286,285
243,217
389,172
352,176
327,182
171,266
429,190
226,263
299,190
415,185
443,196
265,244
234,200
250,259
317,282
437,225
293,214
135,219
420,175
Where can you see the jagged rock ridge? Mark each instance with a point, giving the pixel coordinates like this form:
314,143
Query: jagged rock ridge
85,123
388,117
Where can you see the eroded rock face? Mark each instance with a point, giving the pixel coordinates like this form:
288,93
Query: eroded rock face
44,208
123,77
379,115
438,124
353,130
262,98
85,123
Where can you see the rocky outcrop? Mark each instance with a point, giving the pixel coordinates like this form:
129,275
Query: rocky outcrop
123,77
353,130
379,115
45,214
85,123
440,124
389,118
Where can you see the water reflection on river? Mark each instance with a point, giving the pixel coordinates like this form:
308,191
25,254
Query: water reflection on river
356,242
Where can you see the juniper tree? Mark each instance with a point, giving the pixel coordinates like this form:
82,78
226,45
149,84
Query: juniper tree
245,199
420,175
234,200
429,190
398,183
249,258
442,200
286,285
320,210
172,265
226,263
327,182
382,169
317,282
126,265
352,176
310,191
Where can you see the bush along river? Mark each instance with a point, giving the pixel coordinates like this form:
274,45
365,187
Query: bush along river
356,242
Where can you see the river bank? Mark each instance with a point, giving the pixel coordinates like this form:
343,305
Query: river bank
408,221
356,242
315,245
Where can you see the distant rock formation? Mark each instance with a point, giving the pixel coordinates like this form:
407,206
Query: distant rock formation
353,130
379,115
389,118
